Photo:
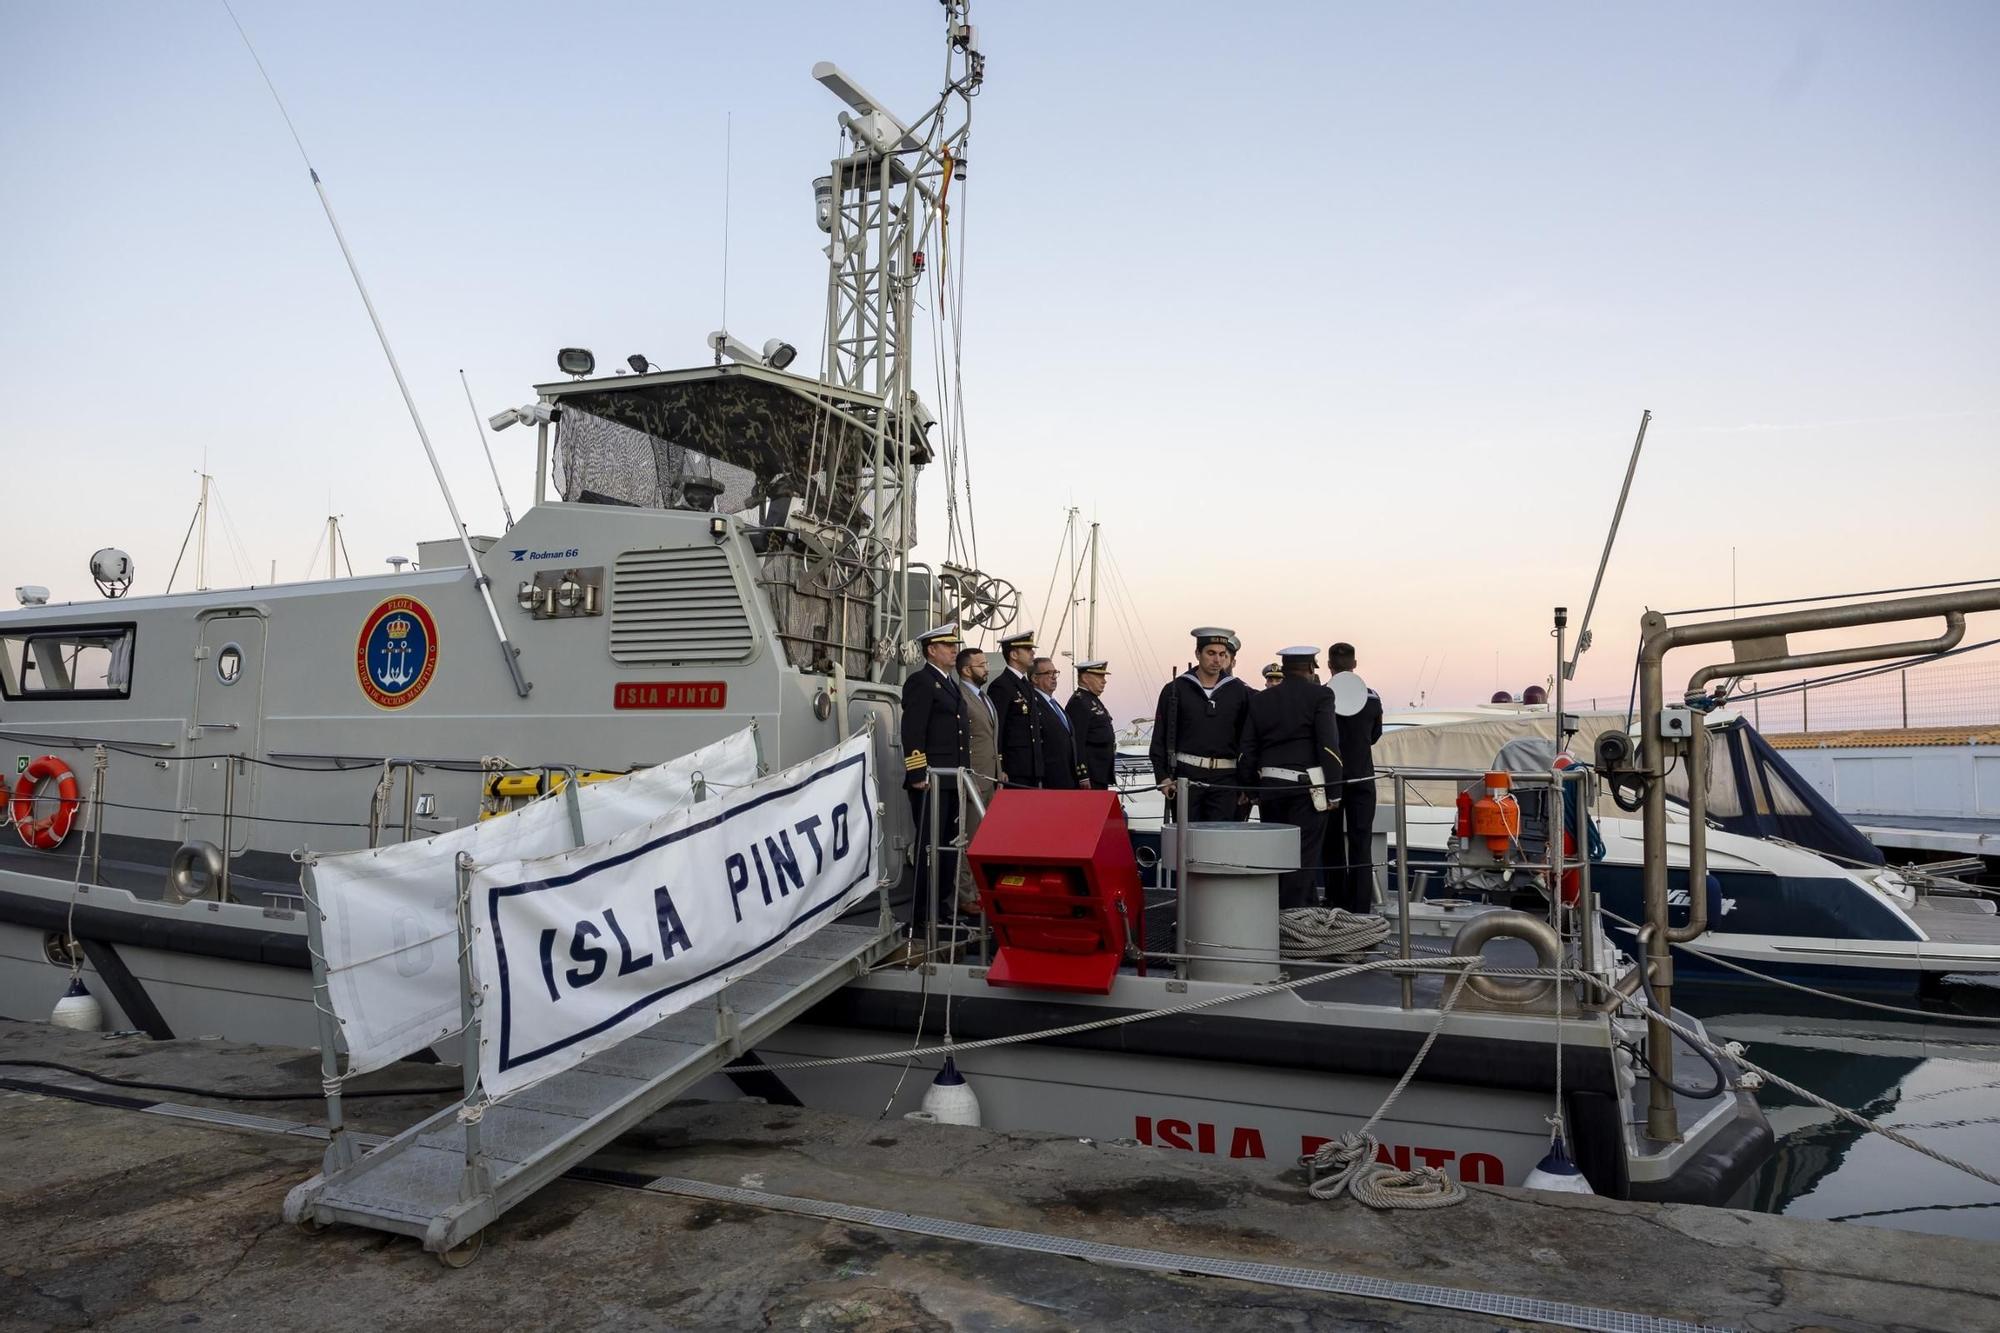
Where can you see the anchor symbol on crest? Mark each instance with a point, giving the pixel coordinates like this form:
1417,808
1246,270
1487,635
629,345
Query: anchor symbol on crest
395,672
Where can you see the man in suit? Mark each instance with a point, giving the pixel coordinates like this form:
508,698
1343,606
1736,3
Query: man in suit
982,759
934,736
1021,730
1358,711
1291,755
1090,722
1061,769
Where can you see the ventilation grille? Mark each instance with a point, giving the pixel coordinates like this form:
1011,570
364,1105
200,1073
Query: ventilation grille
677,606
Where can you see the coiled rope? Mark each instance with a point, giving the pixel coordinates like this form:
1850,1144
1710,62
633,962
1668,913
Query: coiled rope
1348,1165
1322,932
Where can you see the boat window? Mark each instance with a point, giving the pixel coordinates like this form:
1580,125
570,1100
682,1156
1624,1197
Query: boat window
229,663
78,662
1724,801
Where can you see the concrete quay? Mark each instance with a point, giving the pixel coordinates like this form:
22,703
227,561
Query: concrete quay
125,1209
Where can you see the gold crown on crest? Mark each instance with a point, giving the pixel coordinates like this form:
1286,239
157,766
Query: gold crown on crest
399,628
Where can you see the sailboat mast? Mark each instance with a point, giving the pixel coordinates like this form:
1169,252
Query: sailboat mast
1090,635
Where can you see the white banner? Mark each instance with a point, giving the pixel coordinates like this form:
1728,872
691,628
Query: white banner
390,928
577,952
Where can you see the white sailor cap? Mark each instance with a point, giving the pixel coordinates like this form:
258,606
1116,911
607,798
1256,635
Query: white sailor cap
1300,653
1020,638
1097,664
1350,693
942,634
1208,634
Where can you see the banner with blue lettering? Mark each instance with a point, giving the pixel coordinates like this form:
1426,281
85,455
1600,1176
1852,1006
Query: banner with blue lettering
576,952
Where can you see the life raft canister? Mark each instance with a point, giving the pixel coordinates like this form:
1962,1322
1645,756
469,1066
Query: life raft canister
48,832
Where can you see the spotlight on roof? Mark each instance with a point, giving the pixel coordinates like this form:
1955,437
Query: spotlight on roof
530,414
640,365
777,353
575,361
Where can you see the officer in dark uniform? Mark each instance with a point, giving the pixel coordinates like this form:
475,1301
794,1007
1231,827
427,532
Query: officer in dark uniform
1291,754
1061,765
1020,728
934,736
1358,710
1090,720
1273,673
1198,731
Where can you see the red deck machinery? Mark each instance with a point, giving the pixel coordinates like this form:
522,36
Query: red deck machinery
1060,889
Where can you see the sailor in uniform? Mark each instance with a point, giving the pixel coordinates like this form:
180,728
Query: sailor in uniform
1090,720
1273,673
1291,754
1061,766
1198,731
1020,725
1358,710
935,736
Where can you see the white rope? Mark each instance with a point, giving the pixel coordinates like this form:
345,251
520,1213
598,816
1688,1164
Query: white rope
1348,1165
1736,1057
1321,932
1449,964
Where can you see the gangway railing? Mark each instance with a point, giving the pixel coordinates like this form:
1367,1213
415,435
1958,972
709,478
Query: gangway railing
450,1176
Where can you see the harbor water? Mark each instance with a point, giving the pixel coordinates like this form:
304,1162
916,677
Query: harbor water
1935,1080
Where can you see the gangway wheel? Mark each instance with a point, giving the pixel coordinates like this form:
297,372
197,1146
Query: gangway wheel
463,1253
993,604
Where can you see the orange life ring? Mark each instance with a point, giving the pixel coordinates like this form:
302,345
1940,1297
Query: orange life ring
48,832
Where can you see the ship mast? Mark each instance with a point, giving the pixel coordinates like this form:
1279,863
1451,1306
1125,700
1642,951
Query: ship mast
885,192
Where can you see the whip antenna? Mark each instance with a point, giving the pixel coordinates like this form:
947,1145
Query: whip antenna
480,581
487,445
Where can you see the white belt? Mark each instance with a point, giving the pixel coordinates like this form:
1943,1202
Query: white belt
1197,761
1312,775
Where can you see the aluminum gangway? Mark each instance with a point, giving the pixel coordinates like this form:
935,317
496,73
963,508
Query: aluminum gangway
448,1178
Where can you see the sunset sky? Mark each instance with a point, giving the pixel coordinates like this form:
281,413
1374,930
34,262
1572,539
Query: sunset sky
1340,319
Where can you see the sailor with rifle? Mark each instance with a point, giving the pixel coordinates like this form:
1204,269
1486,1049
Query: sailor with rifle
1291,754
1351,834
1198,731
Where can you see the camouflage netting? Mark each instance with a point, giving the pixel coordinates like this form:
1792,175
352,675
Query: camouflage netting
641,444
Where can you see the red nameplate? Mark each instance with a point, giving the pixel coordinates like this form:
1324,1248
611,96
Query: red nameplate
670,694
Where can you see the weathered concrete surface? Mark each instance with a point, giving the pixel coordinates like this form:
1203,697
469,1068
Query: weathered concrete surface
112,1218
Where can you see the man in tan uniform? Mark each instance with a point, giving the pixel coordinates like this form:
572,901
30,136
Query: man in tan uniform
982,759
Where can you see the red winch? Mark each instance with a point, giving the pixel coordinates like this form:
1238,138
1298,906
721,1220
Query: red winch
1060,888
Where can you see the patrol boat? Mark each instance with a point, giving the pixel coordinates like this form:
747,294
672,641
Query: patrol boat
730,545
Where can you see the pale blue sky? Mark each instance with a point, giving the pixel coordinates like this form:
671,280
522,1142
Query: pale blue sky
1339,317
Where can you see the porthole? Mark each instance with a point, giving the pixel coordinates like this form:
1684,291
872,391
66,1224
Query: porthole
229,663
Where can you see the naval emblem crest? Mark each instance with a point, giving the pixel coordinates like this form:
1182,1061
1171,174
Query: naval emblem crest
397,653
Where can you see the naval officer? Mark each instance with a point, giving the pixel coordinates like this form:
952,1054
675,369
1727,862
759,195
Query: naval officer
934,736
1358,710
1291,754
1198,731
1273,673
1096,737
1020,725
